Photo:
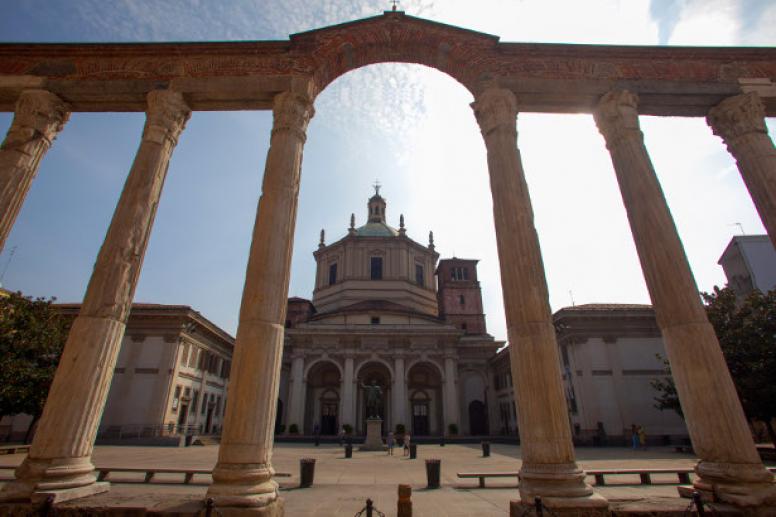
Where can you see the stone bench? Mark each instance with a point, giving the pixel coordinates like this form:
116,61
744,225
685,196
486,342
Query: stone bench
482,475
188,474
645,475
13,449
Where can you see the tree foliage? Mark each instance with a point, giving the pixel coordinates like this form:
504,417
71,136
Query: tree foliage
32,335
746,330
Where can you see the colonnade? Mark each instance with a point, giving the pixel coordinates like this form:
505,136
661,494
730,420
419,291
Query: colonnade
59,462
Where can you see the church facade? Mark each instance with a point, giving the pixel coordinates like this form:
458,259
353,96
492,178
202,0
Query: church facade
386,310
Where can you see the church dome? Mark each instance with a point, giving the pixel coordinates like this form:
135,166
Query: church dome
376,229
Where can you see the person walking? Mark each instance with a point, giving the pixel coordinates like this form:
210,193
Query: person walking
389,443
642,438
406,444
634,436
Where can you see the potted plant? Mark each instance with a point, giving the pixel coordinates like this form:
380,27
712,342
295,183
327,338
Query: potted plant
452,429
293,429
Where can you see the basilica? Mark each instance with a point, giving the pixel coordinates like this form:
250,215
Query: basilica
386,310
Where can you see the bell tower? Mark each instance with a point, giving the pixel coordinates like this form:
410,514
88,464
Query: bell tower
459,295
376,206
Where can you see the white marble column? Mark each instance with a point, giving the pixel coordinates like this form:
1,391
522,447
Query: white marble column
399,393
549,468
296,393
452,414
38,118
730,466
60,456
347,394
740,121
243,475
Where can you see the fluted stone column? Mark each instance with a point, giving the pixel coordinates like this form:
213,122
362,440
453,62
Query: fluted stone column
243,475
38,118
549,468
60,456
729,464
740,121
399,393
347,394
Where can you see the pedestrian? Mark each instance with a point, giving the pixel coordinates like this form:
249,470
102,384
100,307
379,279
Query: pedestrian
634,436
406,444
389,442
642,438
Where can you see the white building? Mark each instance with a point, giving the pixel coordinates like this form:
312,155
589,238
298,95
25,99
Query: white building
749,262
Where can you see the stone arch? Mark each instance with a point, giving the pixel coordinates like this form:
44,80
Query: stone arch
375,360
473,392
323,384
378,370
396,38
426,399
438,367
315,362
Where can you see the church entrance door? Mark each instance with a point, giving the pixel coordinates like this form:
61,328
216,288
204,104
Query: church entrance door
329,417
478,418
420,419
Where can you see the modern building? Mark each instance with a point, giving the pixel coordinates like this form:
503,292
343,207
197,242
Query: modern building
749,262
386,310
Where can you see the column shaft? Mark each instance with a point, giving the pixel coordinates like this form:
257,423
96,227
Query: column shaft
347,394
60,457
399,393
243,475
297,395
549,469
452,414
721,438
740,121
38,118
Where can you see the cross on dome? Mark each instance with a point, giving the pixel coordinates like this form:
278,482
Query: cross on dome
377,187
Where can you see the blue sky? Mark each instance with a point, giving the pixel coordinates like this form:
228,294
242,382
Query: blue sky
407,125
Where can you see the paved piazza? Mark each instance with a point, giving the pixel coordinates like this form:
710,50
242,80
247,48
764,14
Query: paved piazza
342,485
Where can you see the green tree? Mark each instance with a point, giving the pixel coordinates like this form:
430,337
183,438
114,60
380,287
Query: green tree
746,330
32,335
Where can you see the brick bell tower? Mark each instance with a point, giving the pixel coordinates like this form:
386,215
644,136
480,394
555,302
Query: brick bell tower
459,295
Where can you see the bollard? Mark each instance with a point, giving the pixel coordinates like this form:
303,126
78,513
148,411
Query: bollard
538,507
696,498
485,449
307,472
209,505
349,451
413,451
433,470
404,505
369,508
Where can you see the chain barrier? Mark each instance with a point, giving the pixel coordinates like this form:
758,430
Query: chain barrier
210,508
369,508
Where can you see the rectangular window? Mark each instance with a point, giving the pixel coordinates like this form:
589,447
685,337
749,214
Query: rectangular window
194,402
376,268
419,275
176,398
204,403
333,274
185,355
217,411
375,320
466,273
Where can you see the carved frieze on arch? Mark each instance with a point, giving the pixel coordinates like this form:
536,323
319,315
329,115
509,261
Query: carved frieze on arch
312,364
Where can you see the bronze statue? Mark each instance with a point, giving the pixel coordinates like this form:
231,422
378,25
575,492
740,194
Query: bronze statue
373,394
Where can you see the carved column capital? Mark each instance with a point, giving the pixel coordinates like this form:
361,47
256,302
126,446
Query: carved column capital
617,116
737,116
496,108
166,116
292,112
38,113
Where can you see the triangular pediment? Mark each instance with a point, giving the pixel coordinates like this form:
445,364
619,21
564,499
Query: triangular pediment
391,20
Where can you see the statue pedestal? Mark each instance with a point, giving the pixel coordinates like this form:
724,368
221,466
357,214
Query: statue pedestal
374,438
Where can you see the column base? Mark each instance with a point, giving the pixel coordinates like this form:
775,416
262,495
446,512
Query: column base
248,487
274,509
562,481
593,505
748,485
63,478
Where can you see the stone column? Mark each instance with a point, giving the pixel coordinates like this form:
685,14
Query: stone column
297,392
730,466
38,118
740,121
60,457
347,394
243,475
549,468
399,393
452,414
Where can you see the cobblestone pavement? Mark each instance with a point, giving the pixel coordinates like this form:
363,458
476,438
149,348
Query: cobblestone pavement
342,485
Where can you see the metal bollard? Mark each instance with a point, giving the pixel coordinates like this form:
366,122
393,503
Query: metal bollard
696,498
538,506
368,508
404,505
209,504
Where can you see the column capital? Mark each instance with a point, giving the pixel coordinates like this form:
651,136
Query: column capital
38,113
737,116
617,115
496,108
166,116
292,112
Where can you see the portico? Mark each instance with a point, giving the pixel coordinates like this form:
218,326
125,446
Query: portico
167,81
